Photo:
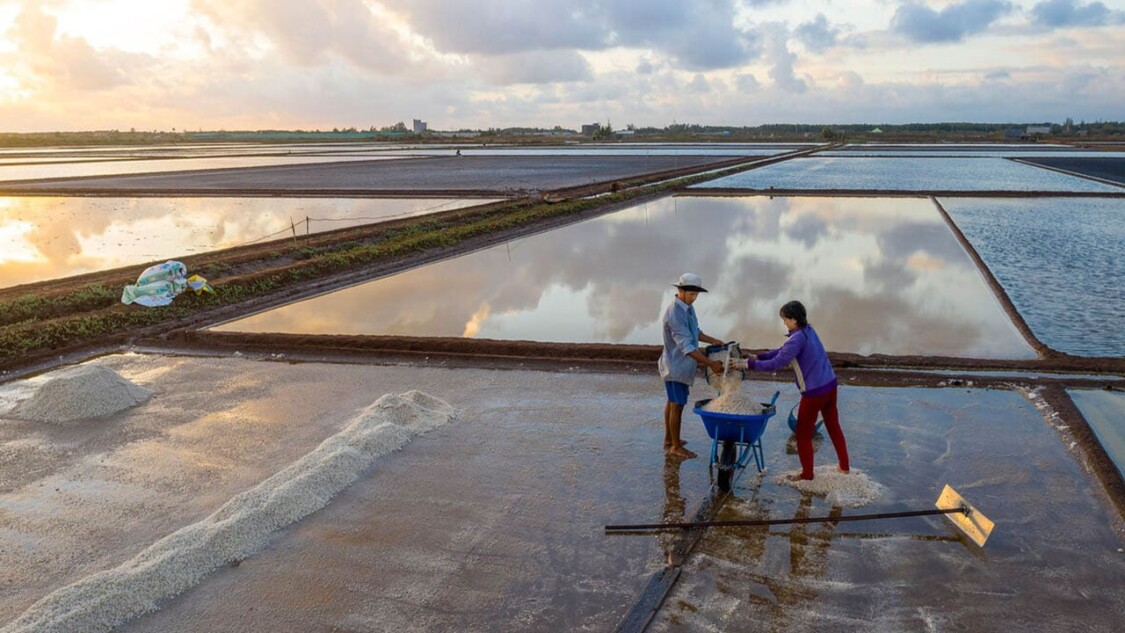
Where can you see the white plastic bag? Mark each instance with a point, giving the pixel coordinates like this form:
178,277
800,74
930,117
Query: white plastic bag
157,285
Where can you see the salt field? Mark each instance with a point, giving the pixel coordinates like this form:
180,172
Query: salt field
891,265
1060,260
452,461
52,237
86,168
915,574
419,175
468,527
907,174
1105,412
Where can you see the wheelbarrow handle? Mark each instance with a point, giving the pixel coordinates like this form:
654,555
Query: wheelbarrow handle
773,400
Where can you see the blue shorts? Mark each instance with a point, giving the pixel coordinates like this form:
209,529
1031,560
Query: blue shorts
677,392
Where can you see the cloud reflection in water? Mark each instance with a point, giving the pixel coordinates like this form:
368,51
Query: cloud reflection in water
878,276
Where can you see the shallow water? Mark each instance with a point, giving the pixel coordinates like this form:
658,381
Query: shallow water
1105,411
48,237
1060,260
878,276
1052,558
907,174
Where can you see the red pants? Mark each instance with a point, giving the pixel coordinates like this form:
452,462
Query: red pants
806,422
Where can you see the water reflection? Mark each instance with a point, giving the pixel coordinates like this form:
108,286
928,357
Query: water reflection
906,174
47,238
878,275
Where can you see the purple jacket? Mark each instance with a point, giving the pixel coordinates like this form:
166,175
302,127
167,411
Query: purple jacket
814,371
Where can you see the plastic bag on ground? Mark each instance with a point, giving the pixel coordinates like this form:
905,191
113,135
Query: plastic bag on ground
158,285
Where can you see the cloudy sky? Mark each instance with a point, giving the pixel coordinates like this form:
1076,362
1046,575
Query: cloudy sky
319,64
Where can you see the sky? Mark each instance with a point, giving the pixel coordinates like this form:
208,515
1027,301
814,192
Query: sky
322,64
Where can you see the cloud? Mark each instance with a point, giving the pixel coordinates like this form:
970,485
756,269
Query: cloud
1063,13
817,35
697,36
781,60
535,67
66,61
311,33
920,23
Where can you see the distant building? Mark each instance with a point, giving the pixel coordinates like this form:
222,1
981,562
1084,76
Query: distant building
625,132
877,131
419,126
1038,130
1013,134
591,129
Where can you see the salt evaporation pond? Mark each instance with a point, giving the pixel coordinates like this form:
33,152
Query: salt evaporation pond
1105,411
1052,562
878,276
52,237
13,173
1060,260
906,174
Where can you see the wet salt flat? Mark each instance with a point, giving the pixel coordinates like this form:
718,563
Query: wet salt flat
468,524
12,173
469,527
1051,564
907,174
972,153
1059,260
510,174
1105,411
878,276
52,237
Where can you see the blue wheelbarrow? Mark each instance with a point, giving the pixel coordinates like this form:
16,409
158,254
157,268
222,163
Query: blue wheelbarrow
735,439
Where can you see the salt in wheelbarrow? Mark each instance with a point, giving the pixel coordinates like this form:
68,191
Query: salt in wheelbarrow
735,438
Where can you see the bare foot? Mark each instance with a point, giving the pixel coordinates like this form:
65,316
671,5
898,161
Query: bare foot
668,445
841,470
792,477
680,451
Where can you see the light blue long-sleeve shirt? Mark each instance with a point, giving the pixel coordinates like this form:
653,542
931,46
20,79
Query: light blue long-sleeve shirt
681,337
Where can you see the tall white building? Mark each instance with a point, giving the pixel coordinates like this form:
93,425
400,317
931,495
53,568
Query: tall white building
419,126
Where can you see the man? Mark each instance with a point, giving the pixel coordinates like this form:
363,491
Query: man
679,359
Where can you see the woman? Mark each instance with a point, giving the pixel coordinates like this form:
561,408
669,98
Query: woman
816,380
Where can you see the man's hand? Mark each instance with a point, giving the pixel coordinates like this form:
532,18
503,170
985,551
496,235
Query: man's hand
716,366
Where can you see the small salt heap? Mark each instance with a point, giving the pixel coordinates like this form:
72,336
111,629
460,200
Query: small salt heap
76,393
730,398
846,490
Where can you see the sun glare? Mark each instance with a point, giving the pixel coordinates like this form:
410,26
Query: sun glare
139,26
17,248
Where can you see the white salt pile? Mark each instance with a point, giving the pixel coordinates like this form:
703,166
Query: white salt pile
238,529
76,393
730,397
850,490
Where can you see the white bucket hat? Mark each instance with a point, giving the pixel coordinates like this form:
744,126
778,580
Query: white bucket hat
690,281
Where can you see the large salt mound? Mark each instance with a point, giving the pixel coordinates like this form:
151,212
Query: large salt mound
238,529
852,490
77,393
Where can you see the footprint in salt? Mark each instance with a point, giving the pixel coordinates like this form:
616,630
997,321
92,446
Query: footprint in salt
851,490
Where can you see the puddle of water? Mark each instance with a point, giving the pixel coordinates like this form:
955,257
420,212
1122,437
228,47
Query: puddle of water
1105,411
878,276
48,238
907,174
1060,261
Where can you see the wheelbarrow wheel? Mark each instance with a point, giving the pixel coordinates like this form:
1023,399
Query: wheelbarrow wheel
727,456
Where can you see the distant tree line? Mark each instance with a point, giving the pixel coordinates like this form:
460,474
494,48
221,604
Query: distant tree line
771,131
